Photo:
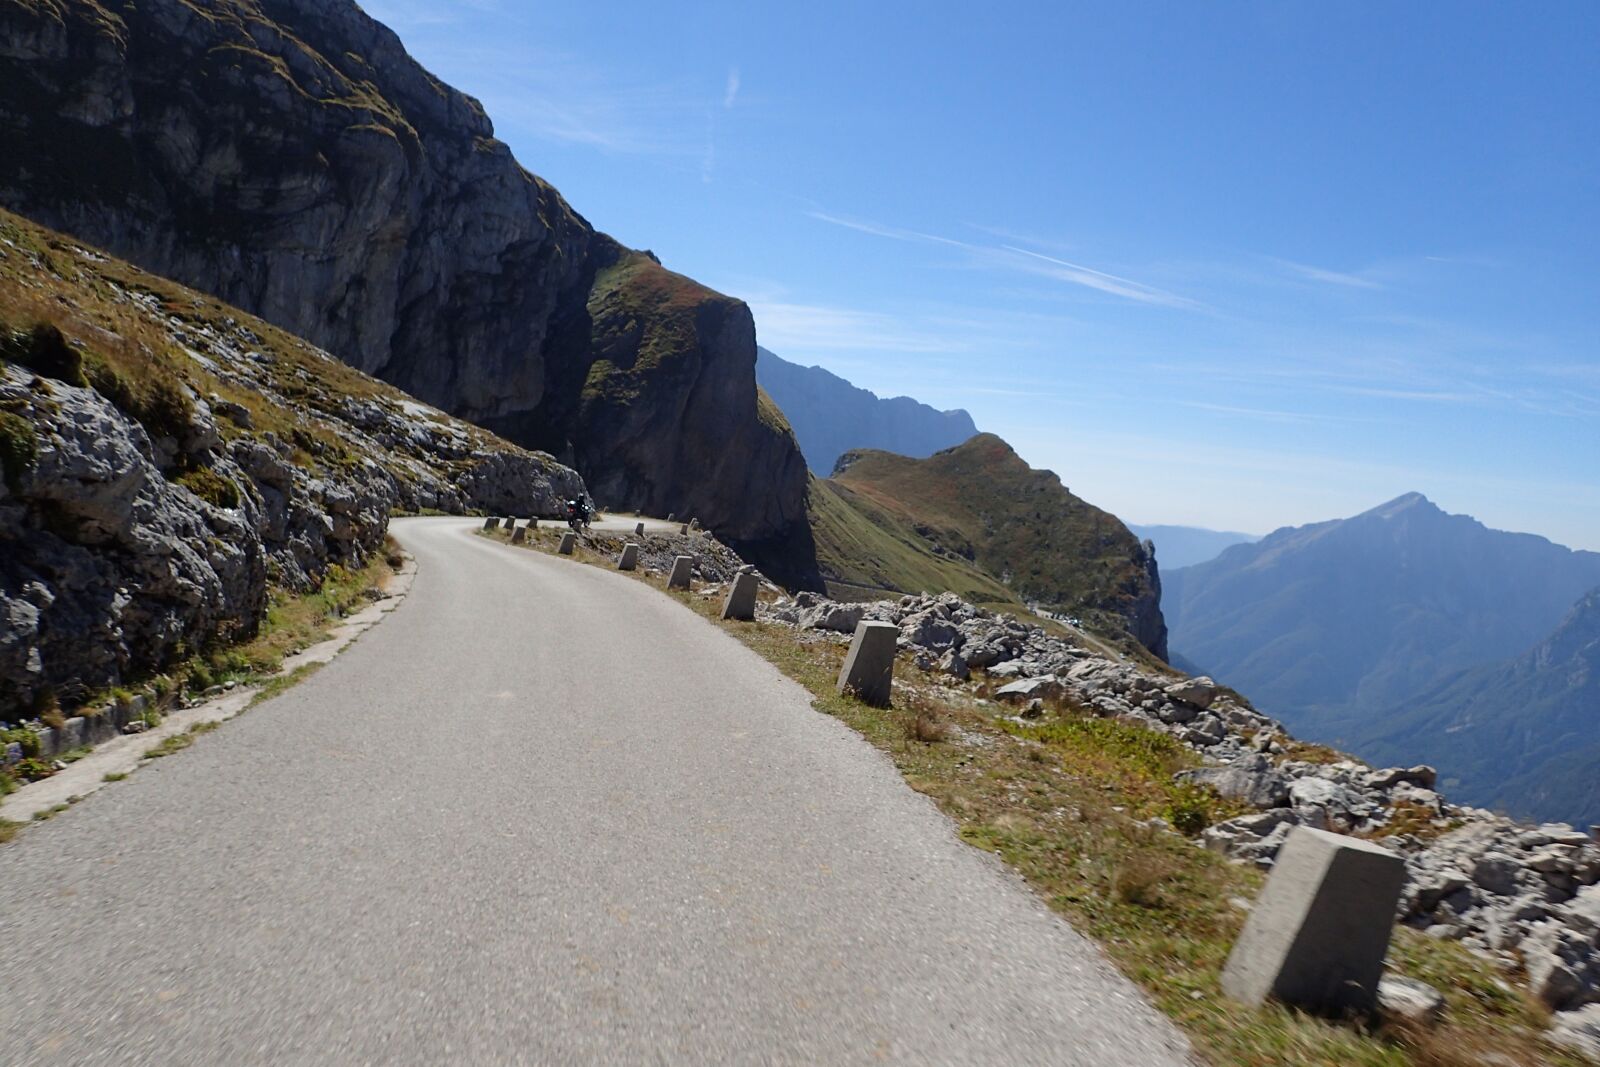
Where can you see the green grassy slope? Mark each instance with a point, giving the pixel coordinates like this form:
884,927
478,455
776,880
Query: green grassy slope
865,549
978,521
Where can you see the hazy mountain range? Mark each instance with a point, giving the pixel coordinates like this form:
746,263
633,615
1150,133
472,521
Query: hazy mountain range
1523,735
1354,631
830,416
1184,546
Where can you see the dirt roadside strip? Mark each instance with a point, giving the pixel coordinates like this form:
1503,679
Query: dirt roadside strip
123,755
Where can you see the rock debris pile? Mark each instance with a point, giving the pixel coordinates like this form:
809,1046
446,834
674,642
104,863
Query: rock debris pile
1528,897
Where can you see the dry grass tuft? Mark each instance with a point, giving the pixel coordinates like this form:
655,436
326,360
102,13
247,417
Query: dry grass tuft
1137,877
926,727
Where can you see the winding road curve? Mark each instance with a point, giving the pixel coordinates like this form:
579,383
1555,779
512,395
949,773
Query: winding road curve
542,814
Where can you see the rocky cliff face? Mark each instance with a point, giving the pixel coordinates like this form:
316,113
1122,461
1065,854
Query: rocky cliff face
167,461
289,157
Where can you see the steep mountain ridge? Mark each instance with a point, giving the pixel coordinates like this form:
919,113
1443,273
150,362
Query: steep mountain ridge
979,505
1521,736
1329,624
831,416
289,157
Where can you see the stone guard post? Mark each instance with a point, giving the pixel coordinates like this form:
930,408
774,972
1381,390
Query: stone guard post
742,598
868,672
630,557
682,572
1318,934
569,541
638,531
510,523
491,523
519,535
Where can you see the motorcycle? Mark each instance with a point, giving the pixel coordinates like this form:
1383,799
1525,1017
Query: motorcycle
579,515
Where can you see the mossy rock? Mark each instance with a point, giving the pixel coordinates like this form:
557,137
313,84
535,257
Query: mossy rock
211,487
19,448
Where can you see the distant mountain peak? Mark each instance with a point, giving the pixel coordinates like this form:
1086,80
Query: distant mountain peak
1409,502
831,417
1351,632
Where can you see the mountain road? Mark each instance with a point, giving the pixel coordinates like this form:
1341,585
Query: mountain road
541,814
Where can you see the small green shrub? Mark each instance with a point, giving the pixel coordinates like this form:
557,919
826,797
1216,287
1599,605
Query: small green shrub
165,408
8,784
109,383
19,447
211,487
159,403
200,677
33,770
45,350
24,736
1190,808
229,662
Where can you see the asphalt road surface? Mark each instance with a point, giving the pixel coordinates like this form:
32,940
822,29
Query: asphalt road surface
542,814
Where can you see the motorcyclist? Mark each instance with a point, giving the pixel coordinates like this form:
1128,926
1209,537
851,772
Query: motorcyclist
579,512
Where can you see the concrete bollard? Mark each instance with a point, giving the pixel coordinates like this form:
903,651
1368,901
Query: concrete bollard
510,523
684,530
533,523
682,573
569,541
491,523
630,557
1318,934
519,535
638,531
868,672
741,599
672,516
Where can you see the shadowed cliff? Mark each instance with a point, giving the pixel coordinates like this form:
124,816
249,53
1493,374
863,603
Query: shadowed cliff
291,158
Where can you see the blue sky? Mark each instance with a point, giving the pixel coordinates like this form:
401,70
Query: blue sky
1230,265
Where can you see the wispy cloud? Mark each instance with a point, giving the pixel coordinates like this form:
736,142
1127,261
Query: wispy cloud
1015,258
1409,377
805,328
731,92
1078,274
1328,277
878,229
1268,414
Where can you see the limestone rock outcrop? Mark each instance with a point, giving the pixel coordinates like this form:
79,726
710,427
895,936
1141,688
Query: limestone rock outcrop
168,462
